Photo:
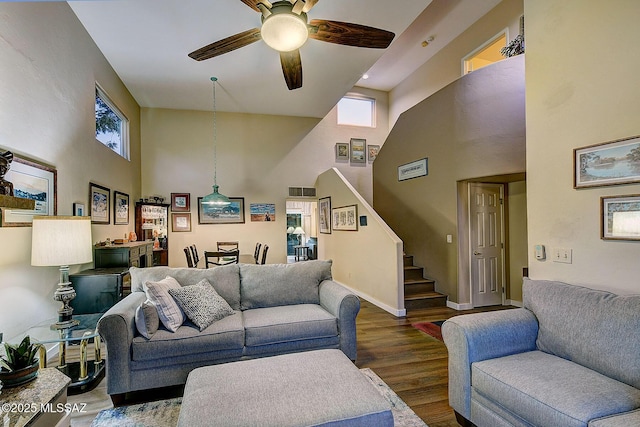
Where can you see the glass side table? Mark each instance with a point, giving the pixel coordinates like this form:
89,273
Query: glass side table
84,375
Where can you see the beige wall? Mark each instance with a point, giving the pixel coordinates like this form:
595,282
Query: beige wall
574,101
446,65
472,128
48,73
368,261
259,157
518,247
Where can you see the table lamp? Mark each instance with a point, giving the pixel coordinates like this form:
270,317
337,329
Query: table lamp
300,233
62,241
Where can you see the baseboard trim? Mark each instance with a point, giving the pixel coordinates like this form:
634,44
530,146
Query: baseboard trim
514,303
459,307
395,311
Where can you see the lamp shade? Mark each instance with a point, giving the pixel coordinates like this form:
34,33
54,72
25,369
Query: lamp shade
61,240
298,230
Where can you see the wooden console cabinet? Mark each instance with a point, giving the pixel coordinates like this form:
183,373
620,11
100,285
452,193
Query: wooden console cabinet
132,254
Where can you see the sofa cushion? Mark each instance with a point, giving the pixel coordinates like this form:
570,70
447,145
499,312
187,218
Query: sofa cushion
593,328
548,390
273,285
273,325
225,280
169,312
147,320
201,303
226,334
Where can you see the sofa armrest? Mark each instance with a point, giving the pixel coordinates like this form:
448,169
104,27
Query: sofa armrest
474,337
117,327
344,305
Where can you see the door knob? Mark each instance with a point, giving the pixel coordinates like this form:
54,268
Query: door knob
477,253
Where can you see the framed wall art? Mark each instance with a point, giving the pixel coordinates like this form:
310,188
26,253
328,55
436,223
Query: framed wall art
262,212
120,208
78,209
181,222
413,170
324,215
609,163
345,218
34,181
620,217
99,198
342,151
357,150
232,214
180,202
372,151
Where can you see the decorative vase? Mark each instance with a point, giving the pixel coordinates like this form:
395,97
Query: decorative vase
132,236
20,376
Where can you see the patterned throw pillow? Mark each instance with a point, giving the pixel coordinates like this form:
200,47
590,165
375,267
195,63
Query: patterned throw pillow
147,320
201,303
169,312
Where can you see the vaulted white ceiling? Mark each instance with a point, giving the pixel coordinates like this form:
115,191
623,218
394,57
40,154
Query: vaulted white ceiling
147,42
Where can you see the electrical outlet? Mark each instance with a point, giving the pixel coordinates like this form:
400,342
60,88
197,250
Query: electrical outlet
563,255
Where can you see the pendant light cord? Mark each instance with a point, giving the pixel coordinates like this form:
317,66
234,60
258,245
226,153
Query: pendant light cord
215,134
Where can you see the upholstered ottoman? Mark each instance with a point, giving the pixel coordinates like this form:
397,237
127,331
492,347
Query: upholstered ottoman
315,388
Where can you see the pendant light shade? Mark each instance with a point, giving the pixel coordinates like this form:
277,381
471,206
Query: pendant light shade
215,199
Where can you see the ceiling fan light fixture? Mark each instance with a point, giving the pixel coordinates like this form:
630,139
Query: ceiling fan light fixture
283,30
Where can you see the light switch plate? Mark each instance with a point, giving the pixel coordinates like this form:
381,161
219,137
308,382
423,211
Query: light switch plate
563,255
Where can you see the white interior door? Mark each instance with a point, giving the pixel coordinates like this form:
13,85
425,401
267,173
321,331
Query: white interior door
486,243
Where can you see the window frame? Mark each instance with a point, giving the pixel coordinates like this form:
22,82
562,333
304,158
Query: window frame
124,120
483,46
357,97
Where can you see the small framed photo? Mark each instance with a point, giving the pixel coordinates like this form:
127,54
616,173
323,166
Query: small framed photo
345,218
609,163
373,150
181,222
262,212
414,169
232,214
78,209
620,217
324,215
342,151
180,202
99,197
358,149
120,208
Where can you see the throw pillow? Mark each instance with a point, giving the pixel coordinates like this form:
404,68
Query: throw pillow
147,320
201,303
169,312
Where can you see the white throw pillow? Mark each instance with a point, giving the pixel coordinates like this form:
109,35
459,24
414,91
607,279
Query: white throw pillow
170,313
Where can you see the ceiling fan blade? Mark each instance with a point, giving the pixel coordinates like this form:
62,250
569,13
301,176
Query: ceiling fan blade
292,68
308,4
226,45
348,34
253,4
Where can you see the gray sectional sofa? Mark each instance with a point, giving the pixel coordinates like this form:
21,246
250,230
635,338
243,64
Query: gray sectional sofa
277,309
570,357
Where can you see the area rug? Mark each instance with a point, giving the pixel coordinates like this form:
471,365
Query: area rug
165,413
430,328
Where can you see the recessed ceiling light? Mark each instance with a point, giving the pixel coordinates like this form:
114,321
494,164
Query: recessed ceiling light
365,76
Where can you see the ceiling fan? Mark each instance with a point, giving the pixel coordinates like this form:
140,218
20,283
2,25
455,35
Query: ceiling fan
285,29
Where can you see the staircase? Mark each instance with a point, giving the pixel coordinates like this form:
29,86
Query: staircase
418,291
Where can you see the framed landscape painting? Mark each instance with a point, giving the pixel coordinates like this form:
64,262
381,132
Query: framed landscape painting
358,150
34,181
100,206
120,208
232,214
180,202
610,163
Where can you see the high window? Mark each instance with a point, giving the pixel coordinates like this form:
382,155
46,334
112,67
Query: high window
112,127
357,111
486,54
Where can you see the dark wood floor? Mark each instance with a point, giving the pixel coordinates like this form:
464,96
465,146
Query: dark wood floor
412,363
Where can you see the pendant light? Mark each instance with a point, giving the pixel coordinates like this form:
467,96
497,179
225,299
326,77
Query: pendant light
215,199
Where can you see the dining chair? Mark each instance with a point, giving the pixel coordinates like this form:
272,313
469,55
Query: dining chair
217,258
256,254
228,246
187,252
194,255
264,254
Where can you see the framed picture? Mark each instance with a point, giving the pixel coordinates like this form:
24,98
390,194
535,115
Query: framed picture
262,211
345,218
78,209
232,214
37,182
120,208
342,151
358,150
324,214
610,163
180,202
180,222
99,198
620,217
373,152
413,169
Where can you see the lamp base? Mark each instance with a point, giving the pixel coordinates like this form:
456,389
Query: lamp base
64,293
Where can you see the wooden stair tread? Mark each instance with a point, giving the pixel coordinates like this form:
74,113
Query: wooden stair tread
418,281
424,295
